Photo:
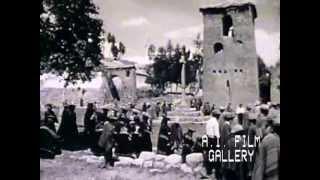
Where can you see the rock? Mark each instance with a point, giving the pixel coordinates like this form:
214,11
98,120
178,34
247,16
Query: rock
156,171
125,161
160,157
137,162
93,160
172,166
173,159
199,170
159,164
194,159
186,169
101,158
146,155
147,164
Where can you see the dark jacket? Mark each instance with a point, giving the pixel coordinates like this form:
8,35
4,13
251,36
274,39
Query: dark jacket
225,132
238,169
164,144
68,127
106,139
50,119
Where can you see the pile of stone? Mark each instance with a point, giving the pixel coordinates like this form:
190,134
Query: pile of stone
160,163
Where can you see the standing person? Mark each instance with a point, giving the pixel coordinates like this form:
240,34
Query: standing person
245,120
176,136
90,122
164,144
213,134
187,144
157,109
198,104
90,119
144,107
206,109
252,132
50,118
226,128
267,162
106,141
262,117
240,112
213,108
164,108
234,170
68,129
145,139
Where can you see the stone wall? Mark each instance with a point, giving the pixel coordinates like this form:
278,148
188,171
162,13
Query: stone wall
128,78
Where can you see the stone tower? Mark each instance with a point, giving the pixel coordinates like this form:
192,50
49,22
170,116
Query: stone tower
230,60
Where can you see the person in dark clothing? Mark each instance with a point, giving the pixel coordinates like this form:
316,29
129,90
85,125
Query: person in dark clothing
157,109
197,147
252,132
90,119
68,129
198,104
144,107
234,170
49,143
50,118
187,144
213,108
146,140
206,109
107,140
164,144
90,123
102,118
123,142
176,136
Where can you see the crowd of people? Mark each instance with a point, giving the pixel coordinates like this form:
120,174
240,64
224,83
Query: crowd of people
127,130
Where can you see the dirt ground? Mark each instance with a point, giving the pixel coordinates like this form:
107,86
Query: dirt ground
68,167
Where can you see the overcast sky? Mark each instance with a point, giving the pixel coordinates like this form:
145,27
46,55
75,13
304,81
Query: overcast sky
137,23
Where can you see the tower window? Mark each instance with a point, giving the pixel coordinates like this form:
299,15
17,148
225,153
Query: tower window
218,47
220,71
214,71
227,26
240,70
236,70
225,71
239,42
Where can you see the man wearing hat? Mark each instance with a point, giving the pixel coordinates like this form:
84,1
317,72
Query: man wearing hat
187,144
226,128
252,132
213,134
262,117
266,166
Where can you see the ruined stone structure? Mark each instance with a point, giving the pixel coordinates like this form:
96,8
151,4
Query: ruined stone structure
230,60
123,75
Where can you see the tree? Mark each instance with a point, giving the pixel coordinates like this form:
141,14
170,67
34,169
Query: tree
151,51
70,39
116,50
